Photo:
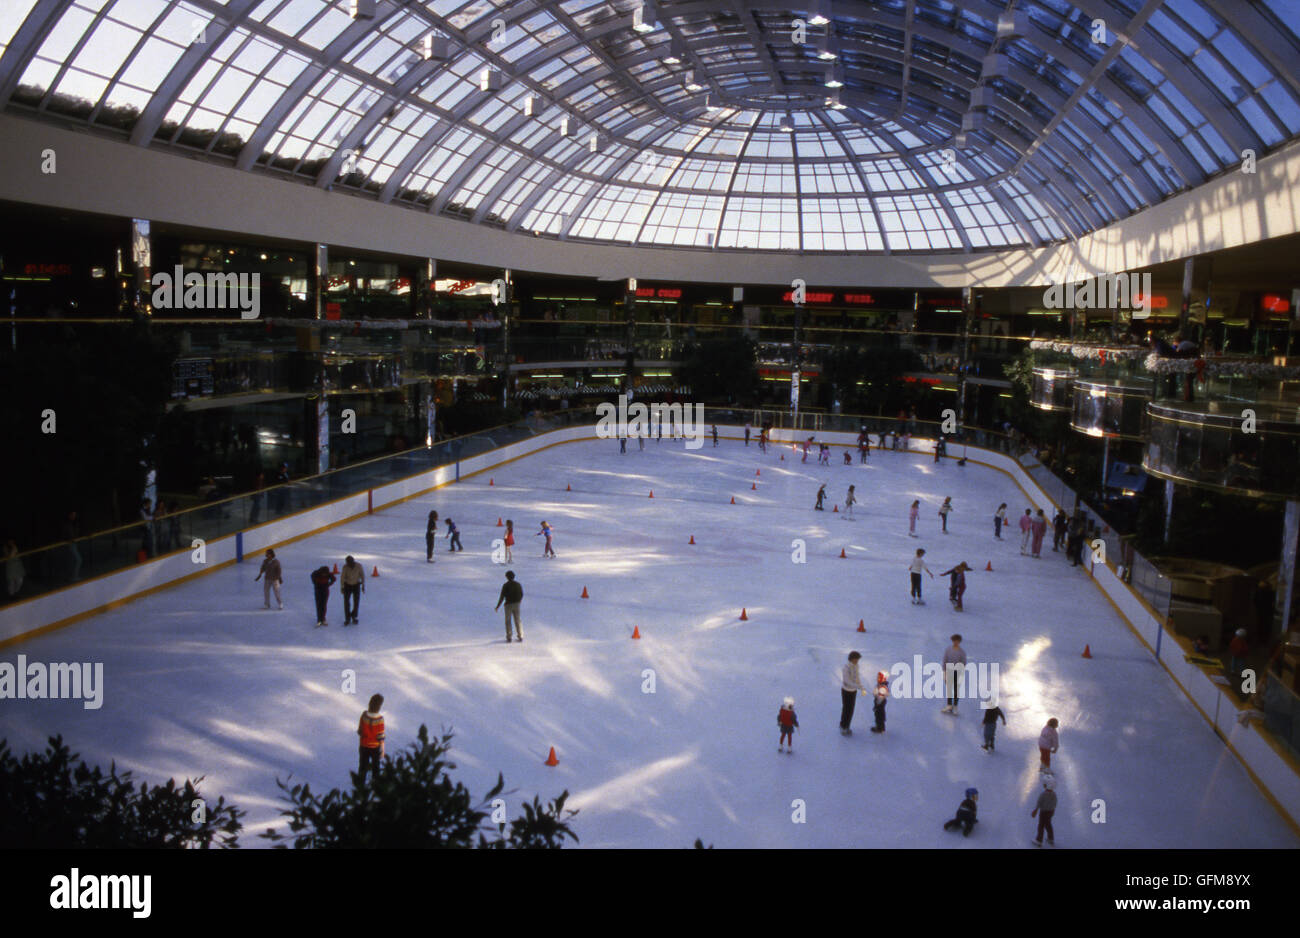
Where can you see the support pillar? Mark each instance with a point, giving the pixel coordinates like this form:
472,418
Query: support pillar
1286,572
142,268
967,310
1185,310
1169,506
794,368
321,273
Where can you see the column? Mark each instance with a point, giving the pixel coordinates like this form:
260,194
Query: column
321,278
1286,573
142,268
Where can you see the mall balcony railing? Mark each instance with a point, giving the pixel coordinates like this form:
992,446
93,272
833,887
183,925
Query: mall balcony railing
58,565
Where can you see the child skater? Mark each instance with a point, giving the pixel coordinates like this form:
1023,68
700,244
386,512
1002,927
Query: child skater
549,551
882,698
821,494
454,536
957,584
965,818
849,501
999,519
848,458
916,567
510,540
943,512
991,717
787,721
911,517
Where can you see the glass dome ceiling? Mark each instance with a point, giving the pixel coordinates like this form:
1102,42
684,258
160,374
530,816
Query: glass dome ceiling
823,126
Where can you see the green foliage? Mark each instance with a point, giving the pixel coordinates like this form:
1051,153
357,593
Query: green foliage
48,802
722,371
411,802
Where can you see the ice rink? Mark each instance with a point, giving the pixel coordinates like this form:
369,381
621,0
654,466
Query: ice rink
201,680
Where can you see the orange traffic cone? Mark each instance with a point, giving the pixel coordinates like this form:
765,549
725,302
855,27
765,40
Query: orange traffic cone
491,482
758,472
652,493
843,556
733,499
551,760
568,488
1087,651
835,510
743,616
692,538
498,522
861,626
375,572
636,632
988,567
753,486
783,457
142,555
584,593
335,571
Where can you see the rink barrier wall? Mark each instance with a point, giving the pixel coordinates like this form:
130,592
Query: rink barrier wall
27,619
1272,769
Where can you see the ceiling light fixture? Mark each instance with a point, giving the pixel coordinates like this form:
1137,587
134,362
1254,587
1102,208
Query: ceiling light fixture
691,83
644,19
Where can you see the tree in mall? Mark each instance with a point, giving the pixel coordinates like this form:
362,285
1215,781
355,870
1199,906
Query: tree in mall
412,802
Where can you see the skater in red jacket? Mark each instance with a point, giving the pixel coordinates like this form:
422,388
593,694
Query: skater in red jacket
787,721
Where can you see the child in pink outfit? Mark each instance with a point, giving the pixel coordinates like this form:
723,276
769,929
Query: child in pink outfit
912,516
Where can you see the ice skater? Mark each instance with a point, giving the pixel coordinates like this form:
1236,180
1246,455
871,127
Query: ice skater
453,534
805,448
430,536
943,512
850,687
917,566
512,594
954,663
1037,528
271,570
1048,742
1026,524
1044,810
965,819
991,717
848,458
787,721
912,515
746,433
821,495
321,581
999,519
510,540
353,577
371,731
957,584
881,698
715,435
849,501
1060,525
548,531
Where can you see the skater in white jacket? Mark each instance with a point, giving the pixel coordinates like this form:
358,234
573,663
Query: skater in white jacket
1048,742
917,566
850,687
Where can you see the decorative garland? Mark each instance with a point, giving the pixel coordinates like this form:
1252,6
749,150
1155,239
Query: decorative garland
1222,368
1098,353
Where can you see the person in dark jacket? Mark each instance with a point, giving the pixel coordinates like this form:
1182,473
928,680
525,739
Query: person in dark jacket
430,536
991,717
512,594
965,818
1060,527
1044,810
821,494
454,535
321,581
353,576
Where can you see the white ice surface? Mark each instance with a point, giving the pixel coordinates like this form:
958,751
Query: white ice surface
200,680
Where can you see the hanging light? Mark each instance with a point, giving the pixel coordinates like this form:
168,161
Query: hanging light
644,19
489,80
691,83
436,48
675,53
835,76
530,105
787,124
817,15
